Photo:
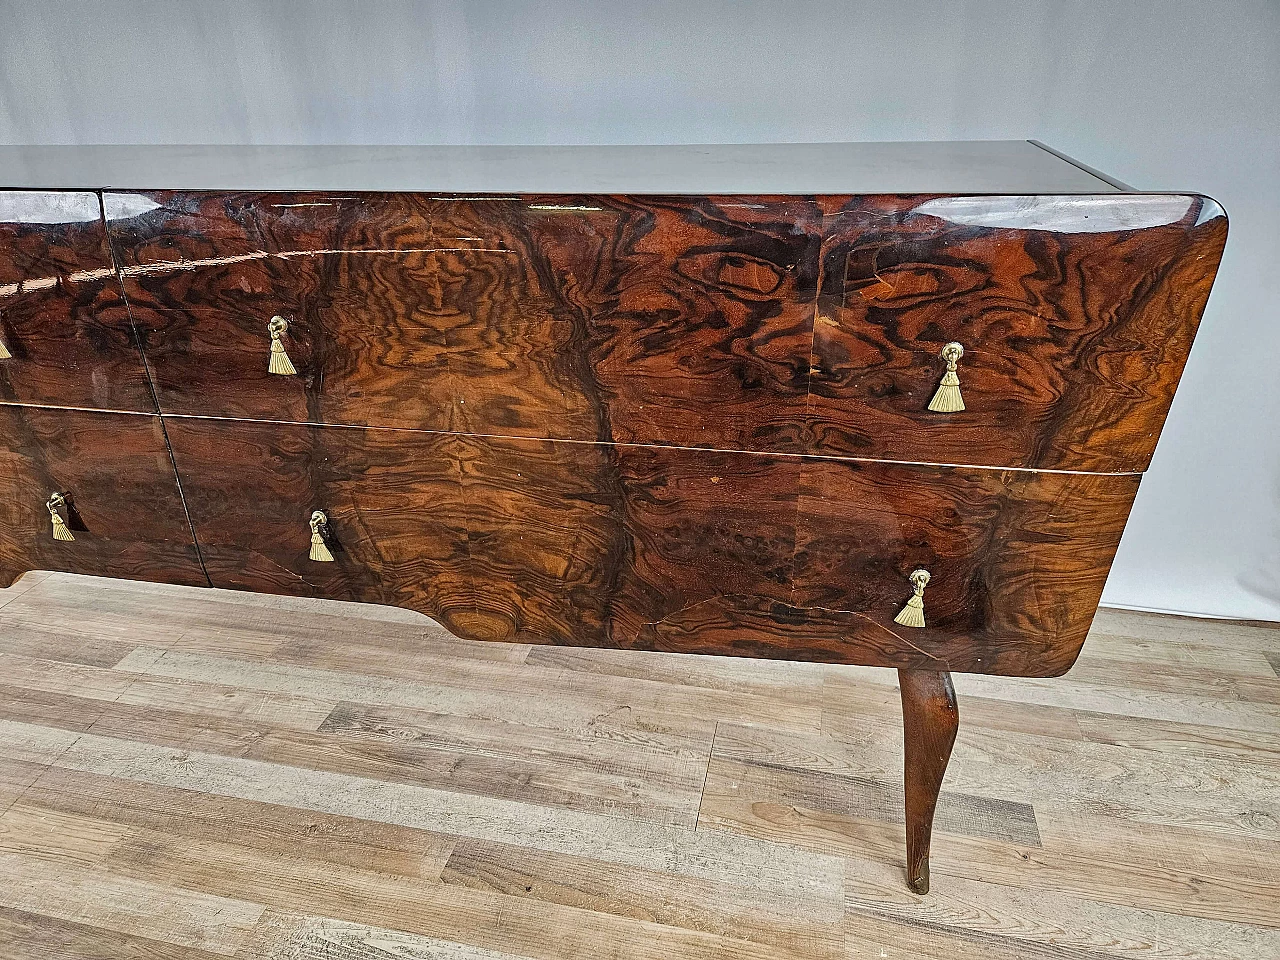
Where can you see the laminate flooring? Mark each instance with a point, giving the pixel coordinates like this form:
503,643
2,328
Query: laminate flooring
200,774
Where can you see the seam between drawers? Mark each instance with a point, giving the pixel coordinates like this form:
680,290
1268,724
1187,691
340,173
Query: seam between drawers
151,387
651,446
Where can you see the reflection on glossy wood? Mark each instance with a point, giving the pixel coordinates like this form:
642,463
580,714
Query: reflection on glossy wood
123,508
1074,341
657,548
593,318
682,321
63,323
930,720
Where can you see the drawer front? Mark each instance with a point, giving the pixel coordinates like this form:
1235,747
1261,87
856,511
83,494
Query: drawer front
655,548
395,525
65,335
688,322
123,511
1075,316
1017,559
436,340
584,318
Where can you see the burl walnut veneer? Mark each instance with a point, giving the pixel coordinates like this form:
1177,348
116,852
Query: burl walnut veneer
880,404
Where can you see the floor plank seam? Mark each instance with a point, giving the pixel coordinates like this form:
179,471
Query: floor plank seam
706,775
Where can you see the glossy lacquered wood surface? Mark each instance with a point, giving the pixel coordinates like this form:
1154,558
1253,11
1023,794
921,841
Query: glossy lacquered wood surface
1074,337
930,720
657,548
126,512
62,318
475,315
683,321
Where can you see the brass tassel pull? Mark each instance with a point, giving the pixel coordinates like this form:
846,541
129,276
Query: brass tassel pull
4,352
319,549
912,615
948,399
60,529
280,362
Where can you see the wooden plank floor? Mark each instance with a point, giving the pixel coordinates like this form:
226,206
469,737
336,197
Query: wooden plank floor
204,774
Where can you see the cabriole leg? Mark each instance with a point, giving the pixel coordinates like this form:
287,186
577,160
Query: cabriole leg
929,723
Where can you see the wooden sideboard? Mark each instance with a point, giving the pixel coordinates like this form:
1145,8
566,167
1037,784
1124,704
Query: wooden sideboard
882,404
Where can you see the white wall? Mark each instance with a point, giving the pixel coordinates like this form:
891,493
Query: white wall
1163,95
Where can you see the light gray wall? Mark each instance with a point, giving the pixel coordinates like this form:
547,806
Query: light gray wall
1163,95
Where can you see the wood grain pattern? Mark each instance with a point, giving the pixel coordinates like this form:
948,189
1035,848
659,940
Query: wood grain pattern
695,425
1018,558
448,329
929,723
683,321
62,318
657,548
686,321
1074,340
127,514
397,526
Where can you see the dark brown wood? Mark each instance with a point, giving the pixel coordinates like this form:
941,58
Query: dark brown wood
585,318
679,321
1074,340
126,511
929,723
712,552
62,317
397,524
1018,558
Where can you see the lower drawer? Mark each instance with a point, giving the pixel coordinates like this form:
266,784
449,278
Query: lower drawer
660,548
123,508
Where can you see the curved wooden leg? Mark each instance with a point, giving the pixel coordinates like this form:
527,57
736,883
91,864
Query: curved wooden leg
929,722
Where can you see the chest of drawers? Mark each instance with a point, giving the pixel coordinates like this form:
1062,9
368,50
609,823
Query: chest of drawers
878,404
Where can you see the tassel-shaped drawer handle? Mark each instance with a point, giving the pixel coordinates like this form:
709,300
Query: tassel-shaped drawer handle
280,362
56,503
320,551
948,399
912,615
4,351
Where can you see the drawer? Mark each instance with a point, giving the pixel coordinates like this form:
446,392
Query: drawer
657,548
1075,315
65,331
124,508
683,321
498,539
811,559
1017,559
396,527
689,321
438,340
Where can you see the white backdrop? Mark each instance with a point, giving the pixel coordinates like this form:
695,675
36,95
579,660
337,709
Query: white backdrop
1159,93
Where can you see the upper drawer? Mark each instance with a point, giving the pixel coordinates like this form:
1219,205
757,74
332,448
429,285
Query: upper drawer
122,508
687,321
64,329
458,339
1074,314
699,551
649,320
